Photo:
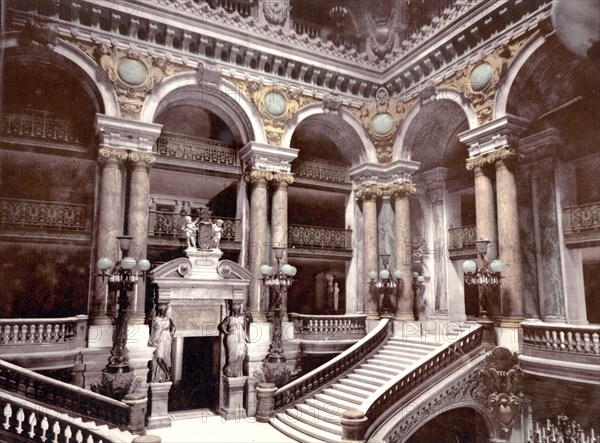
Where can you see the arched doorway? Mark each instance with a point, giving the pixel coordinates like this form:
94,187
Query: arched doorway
461,425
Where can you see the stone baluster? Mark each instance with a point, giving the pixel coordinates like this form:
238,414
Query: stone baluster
368,195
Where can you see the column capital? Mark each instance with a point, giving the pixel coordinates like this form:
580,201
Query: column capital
127,134
506,154
141,159
369,192
111,155
401,190
255,175
494,135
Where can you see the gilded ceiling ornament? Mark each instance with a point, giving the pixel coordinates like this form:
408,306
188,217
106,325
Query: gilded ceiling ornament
479,81
276,12
133,75
276,105
382,35
381,119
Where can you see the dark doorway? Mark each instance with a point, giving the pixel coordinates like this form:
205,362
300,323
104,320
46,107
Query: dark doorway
461,425
199,385
591,280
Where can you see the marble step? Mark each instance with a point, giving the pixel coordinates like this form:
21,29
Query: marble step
354,390
292,433
345,396
317,414
367,387
297,415
328,410
380,369
365,378
342,405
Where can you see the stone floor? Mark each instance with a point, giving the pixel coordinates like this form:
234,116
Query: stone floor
206,426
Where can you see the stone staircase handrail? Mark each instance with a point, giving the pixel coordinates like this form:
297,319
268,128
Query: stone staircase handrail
40,331
63,396
561,339
22,418
380,405
328,372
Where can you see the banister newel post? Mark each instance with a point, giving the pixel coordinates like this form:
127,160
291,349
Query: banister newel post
265,408
354,426
138,404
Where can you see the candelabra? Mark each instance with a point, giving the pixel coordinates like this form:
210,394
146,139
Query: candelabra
487,277
386,285
117,378
278,279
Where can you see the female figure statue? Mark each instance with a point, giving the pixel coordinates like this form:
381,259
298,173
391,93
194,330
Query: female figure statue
234,329
162,330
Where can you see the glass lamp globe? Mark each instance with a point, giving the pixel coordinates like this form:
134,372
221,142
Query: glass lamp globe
286,269
420,279
265,269
469,267
144,265
397,274
497,265
293,271
384,274
128,263
104,263
372,275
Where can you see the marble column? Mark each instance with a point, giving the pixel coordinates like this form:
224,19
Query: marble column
485,211
137,219
257,255
109,223
400,193
369,195
279,219
511,287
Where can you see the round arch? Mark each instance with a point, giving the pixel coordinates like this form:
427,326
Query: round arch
81,60
225,100
507,83
357,145
402,152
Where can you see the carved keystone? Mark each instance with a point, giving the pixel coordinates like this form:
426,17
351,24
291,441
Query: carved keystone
265,409
354,425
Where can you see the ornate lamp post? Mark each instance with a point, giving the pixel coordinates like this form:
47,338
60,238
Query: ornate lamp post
386,285
278,279
117,377
487,277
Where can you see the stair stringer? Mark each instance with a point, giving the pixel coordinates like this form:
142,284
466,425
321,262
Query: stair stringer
455,387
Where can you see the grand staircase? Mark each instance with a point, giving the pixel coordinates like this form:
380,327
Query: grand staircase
316,418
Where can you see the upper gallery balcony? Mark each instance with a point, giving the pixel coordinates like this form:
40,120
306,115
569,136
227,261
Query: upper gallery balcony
581,225
461,242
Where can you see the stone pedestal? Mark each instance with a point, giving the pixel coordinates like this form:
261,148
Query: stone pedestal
250,404
159,403
232,406
204,263
265,408
138,403
354,425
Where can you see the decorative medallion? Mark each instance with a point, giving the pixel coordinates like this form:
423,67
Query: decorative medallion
481,77
382,123
132,71
275,103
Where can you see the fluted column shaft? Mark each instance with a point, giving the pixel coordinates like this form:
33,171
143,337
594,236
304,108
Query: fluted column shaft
137,220
257,249
511,287
371,261
405,299
109,223
485,211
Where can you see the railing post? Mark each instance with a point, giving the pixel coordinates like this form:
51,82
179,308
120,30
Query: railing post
80,330
265,408
137,403
354,426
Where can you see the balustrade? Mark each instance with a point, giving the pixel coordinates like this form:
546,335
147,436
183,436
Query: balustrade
38,124
581,224
63,396
39,214
561,339
318,237
27,421
40,331
329,327
337,366
320,169
400,387
169,224
199,149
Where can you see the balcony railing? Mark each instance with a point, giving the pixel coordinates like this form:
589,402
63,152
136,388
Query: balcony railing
37,214
461,241
38,124
319,169
199,149
169,224
329,327
561,341
43,331
303,236
581,224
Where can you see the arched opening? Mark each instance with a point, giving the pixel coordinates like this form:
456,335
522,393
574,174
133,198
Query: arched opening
460,425
47,191
443,216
